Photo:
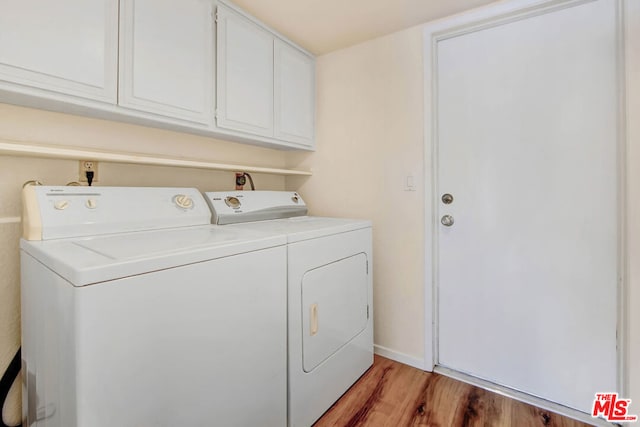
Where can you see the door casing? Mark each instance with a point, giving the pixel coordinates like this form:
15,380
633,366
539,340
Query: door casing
469,22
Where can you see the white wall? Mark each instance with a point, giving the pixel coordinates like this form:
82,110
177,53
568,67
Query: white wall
22,124
369,128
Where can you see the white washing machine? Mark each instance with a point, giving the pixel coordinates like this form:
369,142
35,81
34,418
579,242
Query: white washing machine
137,312
330,323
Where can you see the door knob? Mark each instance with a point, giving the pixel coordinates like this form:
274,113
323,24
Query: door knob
447,220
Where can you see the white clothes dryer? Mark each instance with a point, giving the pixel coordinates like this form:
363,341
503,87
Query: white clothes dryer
136,311
330,318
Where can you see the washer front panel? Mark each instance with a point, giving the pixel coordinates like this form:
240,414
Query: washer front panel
183,346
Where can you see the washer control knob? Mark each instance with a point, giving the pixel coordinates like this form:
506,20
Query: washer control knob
183,201
295,199
61,205
91,203
232,202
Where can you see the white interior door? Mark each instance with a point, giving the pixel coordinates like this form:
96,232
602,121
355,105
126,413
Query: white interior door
527,147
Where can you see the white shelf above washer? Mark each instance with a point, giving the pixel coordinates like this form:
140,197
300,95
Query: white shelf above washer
77,153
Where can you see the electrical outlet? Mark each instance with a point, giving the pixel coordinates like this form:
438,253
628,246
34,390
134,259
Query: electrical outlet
88,166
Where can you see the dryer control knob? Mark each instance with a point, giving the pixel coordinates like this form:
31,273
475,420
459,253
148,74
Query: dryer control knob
91,203
183,201
232,202
61,205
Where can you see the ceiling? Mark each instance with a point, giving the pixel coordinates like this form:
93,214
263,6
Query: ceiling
322,26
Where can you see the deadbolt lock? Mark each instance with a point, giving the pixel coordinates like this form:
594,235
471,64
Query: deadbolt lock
447,198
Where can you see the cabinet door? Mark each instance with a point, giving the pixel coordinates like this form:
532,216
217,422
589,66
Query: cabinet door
166,58
67,47
294,95
245,74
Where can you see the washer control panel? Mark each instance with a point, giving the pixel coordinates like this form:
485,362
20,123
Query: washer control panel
246,206
59,212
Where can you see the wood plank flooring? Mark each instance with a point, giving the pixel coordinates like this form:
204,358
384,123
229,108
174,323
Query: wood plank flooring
391,394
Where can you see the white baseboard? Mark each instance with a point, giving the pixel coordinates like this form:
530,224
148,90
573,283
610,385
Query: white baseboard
398,357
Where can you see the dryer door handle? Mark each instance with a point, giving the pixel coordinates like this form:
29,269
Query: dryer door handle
313,319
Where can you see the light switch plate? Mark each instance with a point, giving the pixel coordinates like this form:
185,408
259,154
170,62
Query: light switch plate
410,182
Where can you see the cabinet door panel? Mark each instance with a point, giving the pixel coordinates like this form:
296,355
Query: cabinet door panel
166,62
68,47
245,74
294,94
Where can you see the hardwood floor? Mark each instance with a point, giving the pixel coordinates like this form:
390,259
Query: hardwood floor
391,394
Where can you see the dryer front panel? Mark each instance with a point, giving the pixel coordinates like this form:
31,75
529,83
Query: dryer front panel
334,307
330,336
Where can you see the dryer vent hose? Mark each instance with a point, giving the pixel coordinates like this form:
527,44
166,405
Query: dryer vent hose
8,378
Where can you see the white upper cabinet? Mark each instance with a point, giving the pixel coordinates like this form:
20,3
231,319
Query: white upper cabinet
198,66
167,58
67,47
294,94
244,74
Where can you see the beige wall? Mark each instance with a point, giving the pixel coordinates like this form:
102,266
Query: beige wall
30,125
369,128
23,124
370,120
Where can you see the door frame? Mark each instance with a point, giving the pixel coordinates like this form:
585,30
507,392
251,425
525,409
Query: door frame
465,23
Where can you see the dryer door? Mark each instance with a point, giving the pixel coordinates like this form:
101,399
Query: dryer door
334,307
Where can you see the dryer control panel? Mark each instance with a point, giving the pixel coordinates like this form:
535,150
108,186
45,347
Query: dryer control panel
59,212
246,206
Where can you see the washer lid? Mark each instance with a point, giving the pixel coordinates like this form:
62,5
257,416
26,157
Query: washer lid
305,227
92,260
